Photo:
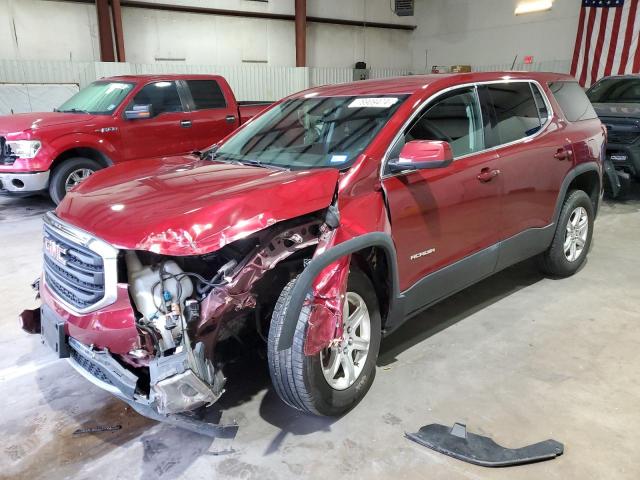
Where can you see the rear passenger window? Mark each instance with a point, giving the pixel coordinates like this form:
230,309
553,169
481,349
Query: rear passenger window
574,102
162,96
517,113
206,94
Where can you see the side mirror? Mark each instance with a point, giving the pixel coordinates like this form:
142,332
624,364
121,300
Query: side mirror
139,111
422,154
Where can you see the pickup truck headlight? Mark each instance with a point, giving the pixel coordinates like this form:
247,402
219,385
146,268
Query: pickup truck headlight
24,148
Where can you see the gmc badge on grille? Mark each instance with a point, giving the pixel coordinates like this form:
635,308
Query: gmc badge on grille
55,251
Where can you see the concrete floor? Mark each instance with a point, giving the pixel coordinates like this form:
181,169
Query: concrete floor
518,357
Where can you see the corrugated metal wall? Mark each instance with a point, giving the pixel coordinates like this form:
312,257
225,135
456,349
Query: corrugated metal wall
250,82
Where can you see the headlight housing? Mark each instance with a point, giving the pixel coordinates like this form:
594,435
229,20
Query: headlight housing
23,148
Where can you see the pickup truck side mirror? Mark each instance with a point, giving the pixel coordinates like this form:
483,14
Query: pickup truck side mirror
139,111
422,154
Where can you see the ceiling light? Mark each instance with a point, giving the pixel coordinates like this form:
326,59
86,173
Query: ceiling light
531,6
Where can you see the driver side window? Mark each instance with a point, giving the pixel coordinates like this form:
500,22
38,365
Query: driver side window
455,118
162,96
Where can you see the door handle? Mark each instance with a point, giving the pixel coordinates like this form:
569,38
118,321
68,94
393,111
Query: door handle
185,123
487,175
563,154
230,118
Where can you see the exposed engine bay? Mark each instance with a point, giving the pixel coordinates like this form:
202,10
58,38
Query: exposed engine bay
191,311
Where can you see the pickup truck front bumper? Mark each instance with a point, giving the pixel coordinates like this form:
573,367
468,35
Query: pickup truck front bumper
23,183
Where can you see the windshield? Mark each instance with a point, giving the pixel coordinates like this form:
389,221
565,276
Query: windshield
98,98
615,90
311,132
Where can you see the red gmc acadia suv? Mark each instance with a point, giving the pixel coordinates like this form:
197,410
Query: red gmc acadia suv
323,223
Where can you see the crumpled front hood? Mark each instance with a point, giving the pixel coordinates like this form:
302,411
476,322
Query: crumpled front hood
627,110
183,206
21,122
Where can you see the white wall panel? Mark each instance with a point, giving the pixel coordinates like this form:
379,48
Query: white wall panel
22,98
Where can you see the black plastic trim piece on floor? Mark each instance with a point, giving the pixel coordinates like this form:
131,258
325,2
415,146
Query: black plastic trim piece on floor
479,450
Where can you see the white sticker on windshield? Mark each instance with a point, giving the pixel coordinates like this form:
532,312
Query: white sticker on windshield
373,102
339,158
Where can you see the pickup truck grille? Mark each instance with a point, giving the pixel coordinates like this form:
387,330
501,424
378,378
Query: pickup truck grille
622,131
623,138
5,153
73,272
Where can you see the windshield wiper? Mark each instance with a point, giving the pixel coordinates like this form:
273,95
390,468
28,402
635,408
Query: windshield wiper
75,110
236,161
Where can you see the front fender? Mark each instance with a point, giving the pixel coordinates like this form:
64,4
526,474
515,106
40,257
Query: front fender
305,281
84,140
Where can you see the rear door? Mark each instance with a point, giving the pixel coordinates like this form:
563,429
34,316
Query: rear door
535,153
212,117
443,215
163,133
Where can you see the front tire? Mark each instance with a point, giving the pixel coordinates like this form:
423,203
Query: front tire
334,381
572,239
69,174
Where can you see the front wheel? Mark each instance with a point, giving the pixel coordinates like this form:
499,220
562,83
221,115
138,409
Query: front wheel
68,174
572,238
335,380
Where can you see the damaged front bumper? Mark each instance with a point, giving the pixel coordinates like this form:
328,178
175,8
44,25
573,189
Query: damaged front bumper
175,385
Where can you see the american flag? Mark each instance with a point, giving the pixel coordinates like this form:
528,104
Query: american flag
607,40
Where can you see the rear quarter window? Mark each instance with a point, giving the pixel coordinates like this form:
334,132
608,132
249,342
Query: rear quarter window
206,94
573,100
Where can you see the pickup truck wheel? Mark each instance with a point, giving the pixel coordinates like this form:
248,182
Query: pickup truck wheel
69,174
572,239
335,380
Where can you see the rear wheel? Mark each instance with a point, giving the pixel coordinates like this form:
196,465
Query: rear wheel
68,174
572,239
335,380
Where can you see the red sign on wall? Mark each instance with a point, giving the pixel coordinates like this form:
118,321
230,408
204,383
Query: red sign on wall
528,59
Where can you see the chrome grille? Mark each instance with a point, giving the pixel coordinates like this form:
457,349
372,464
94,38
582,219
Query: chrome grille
80,270
74,273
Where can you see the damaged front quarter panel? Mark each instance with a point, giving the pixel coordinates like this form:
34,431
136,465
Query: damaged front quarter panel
237,292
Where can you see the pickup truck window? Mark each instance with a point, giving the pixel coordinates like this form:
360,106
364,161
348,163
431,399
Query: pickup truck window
455,118
100,98
615,90
206,94
517,115
314,132
574,102
162,96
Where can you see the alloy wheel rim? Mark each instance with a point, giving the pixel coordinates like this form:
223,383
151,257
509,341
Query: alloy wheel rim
575,238
76,177
343,361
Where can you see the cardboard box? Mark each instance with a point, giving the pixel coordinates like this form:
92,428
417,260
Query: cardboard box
460,68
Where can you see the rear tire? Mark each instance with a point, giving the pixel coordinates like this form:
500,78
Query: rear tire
572,238
68,174
303,382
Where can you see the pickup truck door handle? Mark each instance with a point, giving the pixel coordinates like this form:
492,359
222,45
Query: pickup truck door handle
185,123
486,175
230,118
563,154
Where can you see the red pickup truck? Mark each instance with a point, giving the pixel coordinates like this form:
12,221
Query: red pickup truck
114,120
319,226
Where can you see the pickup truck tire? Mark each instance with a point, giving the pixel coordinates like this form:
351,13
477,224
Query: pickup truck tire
571,242
69,173
302,381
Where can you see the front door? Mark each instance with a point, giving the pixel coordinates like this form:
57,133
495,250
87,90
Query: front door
165,132
442,216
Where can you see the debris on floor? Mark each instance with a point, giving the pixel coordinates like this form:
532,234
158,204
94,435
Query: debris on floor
480,450
98,429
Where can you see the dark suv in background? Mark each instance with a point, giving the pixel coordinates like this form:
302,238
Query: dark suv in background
617,103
